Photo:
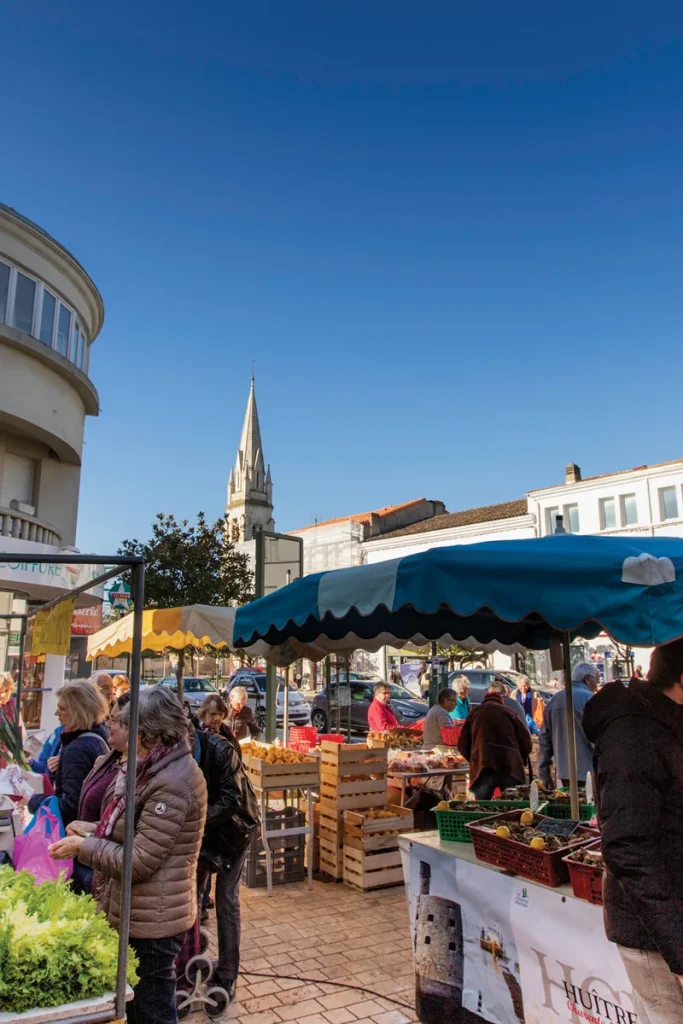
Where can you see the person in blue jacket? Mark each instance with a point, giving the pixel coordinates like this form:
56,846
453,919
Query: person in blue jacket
51,748
552,743
461,685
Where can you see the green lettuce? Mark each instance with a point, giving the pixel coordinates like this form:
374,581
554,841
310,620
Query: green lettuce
55,947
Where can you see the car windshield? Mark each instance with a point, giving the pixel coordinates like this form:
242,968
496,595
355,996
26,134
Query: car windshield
400,692
198,686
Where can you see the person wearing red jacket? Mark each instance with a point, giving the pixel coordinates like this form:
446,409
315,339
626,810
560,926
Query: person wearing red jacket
380,716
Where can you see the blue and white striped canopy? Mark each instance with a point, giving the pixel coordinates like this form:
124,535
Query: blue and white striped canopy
502,592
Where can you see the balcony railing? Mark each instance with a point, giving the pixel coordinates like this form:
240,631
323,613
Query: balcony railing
23,527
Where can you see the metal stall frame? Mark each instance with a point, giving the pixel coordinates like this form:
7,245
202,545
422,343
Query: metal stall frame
117,565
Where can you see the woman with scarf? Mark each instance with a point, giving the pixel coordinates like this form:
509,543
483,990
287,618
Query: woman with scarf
170,811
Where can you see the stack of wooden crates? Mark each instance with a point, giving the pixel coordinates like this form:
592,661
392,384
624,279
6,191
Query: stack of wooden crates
353,778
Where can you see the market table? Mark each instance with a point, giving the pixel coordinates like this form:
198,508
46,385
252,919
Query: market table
508,950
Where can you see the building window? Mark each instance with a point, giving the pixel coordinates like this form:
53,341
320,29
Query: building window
47,317
63,331
17,480
30,307
668,503
551,515
608,514
4,291
629,510
571,518
24,303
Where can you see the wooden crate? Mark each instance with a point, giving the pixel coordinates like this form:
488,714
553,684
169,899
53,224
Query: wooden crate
282,776
361,833
331,857
352,776
372,859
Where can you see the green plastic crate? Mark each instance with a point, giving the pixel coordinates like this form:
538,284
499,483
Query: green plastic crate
586,811
452,824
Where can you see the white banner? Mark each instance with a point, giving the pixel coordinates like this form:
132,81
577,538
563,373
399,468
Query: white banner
526,954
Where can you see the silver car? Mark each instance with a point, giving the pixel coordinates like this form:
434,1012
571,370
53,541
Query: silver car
195,690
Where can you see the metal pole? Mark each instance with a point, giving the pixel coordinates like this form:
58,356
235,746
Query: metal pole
138,589
271,703
571,734
434,682
347,662
285,722
20,677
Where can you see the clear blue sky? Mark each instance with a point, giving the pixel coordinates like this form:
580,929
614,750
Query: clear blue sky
450,235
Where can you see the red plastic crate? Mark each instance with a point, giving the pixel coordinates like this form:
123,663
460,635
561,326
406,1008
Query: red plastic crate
586,879
301,746
299,733
450,734
332,737
519,859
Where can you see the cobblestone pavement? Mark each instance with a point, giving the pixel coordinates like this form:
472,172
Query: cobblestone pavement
303,941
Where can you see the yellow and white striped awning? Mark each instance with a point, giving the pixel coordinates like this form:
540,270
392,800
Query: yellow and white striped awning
198,625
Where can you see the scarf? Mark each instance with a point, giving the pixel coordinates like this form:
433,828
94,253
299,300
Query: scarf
117,805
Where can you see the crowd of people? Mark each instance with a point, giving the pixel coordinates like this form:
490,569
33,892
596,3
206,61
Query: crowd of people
195,816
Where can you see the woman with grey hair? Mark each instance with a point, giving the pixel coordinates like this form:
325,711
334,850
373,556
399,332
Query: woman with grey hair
240,720
461,685
170,811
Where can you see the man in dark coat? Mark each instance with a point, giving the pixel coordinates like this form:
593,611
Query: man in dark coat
497,745
232,818
638,770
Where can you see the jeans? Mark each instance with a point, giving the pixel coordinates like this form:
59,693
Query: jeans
489,781
657,993
228,920
154,995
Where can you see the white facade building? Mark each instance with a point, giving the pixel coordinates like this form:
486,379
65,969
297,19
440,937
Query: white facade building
647,500
50,314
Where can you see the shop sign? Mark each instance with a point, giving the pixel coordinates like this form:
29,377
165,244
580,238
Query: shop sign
86,621
119,595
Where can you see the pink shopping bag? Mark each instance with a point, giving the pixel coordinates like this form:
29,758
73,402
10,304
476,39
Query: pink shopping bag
30,851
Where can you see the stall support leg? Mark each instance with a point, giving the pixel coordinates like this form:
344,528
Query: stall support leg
266,841
138,588
571,733
309,839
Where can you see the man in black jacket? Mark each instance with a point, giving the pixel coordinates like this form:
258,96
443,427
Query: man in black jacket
638,766
231,820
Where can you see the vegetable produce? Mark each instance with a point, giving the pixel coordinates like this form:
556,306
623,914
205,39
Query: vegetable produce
55,947
11,744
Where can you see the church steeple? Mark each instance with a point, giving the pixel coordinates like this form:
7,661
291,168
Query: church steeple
250,488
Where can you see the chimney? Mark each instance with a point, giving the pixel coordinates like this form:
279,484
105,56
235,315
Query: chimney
572,473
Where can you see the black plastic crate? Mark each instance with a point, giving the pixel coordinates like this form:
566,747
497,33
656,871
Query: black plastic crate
287,851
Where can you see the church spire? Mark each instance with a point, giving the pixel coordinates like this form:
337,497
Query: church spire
250,489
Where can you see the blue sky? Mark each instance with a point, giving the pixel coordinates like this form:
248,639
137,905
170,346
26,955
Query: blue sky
449,235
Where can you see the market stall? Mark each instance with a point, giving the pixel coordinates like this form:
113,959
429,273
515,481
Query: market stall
492,937
105,991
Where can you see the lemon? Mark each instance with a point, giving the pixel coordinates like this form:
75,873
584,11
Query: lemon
537,844
503,832
527,818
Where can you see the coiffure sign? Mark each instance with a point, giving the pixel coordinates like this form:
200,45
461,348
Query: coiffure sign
43,580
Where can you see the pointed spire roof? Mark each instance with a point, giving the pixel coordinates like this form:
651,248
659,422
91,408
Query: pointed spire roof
250,453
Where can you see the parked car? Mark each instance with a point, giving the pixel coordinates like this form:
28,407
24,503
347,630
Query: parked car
407,708
195,690
481,678
255,685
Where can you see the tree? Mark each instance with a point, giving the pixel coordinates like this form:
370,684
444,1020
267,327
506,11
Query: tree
188,564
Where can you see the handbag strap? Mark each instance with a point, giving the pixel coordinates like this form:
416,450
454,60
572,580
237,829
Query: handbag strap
105,747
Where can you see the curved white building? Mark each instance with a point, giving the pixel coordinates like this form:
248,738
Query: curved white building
50,314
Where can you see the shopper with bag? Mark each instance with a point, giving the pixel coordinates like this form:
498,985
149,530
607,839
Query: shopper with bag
170,811
81,710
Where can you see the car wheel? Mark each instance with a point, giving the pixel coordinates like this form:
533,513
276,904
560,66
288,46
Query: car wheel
319,720
188,709
261,718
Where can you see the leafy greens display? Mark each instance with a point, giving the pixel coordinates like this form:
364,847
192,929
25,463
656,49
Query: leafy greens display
54,945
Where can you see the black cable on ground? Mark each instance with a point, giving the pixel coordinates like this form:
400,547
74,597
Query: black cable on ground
336,984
